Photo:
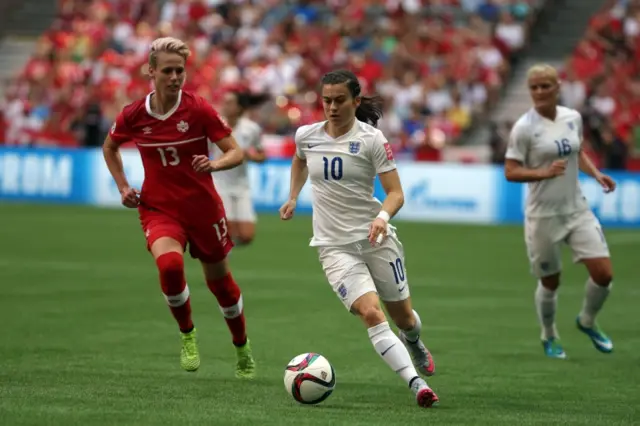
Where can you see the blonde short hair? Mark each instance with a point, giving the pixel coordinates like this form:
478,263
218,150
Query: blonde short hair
545,70
167,45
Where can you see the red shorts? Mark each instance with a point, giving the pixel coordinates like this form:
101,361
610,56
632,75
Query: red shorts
208,240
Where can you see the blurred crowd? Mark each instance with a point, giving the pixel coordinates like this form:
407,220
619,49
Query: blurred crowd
602,80
438,63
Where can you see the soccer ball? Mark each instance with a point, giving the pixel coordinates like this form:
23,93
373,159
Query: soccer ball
309,378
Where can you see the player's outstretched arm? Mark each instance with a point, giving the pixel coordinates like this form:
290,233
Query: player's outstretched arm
587,166
299,175
111,153
515,171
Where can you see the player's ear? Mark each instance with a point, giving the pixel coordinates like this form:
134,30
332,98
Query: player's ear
357,101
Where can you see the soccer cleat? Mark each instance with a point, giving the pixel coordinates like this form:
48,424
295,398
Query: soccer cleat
422,359
189,356
600,340
553,348
425,396
246,365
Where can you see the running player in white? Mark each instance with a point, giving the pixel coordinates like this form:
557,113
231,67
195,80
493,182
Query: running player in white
545,150
233,185
358,248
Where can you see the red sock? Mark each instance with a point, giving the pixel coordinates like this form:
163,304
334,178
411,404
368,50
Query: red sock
175,289
230,300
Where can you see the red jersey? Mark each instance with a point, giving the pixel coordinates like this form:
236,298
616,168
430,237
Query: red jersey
167,144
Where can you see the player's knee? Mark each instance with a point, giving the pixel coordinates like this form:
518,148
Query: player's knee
217,271
228,295
171,269
602,278
600,271
171,266
369,311
551,282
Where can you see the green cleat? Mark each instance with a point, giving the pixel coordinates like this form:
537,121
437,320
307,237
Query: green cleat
246,366
189,356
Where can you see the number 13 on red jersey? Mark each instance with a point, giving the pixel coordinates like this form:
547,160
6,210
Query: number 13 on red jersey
169,156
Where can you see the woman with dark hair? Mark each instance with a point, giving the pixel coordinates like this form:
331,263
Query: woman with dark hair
233,185
358,248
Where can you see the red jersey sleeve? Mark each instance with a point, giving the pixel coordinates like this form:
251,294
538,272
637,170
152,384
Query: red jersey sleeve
120,131
214,127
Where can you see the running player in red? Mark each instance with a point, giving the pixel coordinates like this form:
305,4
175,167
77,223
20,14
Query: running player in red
178,203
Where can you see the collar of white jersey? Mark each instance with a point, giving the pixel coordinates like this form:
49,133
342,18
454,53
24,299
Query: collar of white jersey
350,133
543,118
166,115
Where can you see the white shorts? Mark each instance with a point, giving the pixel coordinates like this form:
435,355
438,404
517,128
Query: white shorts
238,205
544,235
357,268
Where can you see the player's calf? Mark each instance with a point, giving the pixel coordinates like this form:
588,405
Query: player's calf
597,289
410,325
231,305
388,345
174,287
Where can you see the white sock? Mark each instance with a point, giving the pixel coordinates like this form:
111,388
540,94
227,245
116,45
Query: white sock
546,302
392,351
594,298
413,335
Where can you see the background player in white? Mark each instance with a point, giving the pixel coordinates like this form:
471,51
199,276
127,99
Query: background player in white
359,251
545,150
233,185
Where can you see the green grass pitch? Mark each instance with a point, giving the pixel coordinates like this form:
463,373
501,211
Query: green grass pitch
88,340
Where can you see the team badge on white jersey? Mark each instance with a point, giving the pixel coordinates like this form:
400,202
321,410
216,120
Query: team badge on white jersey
354,147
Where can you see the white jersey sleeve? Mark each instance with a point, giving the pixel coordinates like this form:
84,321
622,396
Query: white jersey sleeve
298,141
519,140
382,156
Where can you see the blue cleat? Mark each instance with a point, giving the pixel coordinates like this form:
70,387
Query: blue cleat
600,340
553,348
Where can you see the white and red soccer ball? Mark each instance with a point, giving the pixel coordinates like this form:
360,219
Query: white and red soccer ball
309,378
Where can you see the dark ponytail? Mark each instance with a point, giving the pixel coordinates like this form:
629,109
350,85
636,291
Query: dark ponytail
247,100
370,109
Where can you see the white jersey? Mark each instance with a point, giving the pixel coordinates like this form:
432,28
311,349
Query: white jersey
537,142
248,134
342,173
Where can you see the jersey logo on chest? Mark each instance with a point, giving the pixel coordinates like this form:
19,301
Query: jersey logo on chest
354,147
182,126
